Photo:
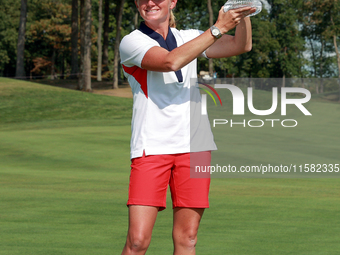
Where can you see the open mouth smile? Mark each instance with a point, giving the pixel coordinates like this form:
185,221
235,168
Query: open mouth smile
152,11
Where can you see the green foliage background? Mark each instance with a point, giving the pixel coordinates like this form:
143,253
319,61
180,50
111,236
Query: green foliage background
291,39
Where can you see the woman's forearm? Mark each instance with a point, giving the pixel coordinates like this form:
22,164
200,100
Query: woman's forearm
243,35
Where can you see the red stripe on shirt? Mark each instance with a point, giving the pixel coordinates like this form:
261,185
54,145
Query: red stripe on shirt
140,75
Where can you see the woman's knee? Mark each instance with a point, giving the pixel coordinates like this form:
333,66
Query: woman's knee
185,237
138,241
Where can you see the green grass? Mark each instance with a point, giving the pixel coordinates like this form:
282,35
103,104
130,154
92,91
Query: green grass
34,102
64,169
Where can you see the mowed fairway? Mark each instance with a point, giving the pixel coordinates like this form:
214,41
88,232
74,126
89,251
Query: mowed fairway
64,171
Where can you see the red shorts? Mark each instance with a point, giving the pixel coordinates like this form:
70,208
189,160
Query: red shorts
151,175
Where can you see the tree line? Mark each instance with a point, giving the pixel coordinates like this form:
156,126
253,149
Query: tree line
79,39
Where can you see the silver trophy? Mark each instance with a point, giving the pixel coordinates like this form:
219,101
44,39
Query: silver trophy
234,4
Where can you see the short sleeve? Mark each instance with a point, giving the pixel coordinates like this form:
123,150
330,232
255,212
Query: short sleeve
133,48
191,34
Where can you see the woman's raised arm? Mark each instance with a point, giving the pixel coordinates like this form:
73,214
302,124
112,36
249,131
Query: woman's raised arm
160,60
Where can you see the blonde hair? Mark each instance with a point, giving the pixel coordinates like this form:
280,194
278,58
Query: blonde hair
172,19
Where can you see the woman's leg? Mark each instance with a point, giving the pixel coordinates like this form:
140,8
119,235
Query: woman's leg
141,222
186,223
189,197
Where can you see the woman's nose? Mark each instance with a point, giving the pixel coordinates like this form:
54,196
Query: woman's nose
150,2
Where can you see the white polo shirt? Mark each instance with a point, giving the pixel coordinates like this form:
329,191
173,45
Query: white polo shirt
161,100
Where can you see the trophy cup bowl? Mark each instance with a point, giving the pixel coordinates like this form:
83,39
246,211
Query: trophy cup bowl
234,4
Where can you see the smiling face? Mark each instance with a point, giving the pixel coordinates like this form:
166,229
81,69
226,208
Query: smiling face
155,11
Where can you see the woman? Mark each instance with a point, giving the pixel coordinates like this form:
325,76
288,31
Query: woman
159,62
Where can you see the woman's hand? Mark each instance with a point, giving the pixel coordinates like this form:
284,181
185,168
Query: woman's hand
228,45
230,19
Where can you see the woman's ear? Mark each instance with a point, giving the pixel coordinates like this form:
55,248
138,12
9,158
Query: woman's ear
173,4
